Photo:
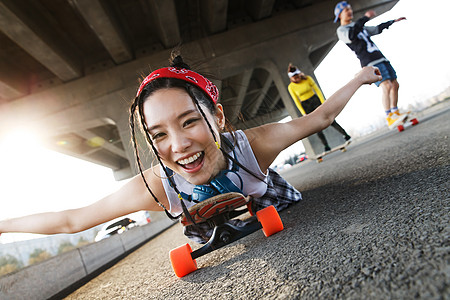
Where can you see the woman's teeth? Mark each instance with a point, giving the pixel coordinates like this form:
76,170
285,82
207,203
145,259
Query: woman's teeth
189,159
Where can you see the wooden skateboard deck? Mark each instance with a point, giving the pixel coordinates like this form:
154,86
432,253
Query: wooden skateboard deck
216,205
319,158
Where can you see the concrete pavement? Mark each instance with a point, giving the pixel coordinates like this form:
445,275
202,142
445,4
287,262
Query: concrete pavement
374,224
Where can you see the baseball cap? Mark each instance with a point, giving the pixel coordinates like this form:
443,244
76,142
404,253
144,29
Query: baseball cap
338,9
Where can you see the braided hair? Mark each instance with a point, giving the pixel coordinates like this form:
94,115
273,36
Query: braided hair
199,98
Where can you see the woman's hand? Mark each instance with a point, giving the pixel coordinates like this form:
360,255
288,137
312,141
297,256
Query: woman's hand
369,75
400,19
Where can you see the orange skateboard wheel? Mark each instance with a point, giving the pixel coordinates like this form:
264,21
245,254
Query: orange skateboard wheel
270,220
182,262
414,121
400,128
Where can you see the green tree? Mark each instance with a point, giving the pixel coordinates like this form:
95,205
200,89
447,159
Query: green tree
65,246
8,264
38,255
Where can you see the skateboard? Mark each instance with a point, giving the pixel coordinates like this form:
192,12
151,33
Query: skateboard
217,211
408,121
319,158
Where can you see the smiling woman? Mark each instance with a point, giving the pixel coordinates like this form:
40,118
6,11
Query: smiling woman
177,111
172,139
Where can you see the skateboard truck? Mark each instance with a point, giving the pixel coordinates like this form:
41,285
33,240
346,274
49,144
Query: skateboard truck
223,235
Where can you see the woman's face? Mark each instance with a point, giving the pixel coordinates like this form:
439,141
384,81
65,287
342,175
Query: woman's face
297,78
181,135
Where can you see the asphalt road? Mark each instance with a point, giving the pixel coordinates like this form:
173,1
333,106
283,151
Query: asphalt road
373,224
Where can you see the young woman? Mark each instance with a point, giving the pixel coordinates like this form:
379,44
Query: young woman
184,124
308,96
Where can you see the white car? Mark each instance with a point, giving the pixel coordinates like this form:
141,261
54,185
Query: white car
116,226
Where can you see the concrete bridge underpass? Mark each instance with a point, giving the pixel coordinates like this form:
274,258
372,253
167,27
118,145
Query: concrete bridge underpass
69,69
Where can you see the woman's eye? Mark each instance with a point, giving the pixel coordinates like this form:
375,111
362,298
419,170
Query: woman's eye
190,121
157,135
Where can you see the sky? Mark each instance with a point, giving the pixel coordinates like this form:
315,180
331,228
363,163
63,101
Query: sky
34,179
418,50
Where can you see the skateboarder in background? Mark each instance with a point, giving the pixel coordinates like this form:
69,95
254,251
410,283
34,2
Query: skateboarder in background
357,37
308,96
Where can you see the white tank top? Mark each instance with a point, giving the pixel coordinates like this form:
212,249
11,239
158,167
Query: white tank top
251,186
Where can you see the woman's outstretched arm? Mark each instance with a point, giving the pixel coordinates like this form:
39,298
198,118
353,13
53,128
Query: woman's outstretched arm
269,140
132,197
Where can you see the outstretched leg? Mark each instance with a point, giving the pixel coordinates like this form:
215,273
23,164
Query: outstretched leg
389,101
386,87
340,130
393,93
323,140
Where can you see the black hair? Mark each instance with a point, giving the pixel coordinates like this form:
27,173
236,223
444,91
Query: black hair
198,97
291,68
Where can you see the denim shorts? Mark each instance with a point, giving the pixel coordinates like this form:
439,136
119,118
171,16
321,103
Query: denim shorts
387,72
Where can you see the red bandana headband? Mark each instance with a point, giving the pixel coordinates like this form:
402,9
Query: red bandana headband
186,75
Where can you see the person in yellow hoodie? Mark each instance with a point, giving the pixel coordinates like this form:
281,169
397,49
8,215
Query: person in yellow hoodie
308,96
